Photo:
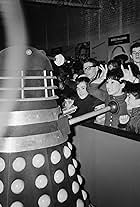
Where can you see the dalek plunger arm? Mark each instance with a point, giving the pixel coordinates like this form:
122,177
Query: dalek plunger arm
112,107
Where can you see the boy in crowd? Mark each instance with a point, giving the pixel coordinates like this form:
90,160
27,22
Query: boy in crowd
90,69
132,123
113,92
135,53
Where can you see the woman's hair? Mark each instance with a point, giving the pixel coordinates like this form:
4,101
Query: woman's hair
115,74
93,61
133,88
122,58
115,64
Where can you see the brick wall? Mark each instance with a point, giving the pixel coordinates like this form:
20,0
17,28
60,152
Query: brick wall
52,26
117,17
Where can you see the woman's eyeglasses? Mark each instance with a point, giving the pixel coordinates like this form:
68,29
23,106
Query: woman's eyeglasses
136,52
88,68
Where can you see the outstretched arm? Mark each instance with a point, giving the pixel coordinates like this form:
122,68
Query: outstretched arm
97,92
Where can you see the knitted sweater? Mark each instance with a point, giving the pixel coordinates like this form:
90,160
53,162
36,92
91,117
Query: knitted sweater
86,105
111,119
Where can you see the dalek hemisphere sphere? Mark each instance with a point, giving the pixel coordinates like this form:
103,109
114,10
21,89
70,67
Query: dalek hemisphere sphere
33,94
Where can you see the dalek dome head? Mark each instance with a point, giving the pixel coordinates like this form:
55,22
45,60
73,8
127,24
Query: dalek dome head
37,59
29,71
32,58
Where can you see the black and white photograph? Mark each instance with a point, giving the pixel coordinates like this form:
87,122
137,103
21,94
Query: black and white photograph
69,103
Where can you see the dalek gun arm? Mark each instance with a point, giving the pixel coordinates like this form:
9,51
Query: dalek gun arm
112,107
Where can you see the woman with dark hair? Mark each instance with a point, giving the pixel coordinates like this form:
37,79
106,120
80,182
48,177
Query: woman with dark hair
113,64
114,92
133,107
83,100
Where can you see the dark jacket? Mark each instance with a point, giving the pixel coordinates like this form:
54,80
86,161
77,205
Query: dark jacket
86,105
134,123
111,119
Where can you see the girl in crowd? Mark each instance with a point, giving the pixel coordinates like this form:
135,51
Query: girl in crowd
113,92
133,107
112,64
83,100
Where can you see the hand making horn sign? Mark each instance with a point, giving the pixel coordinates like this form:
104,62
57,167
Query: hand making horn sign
128,75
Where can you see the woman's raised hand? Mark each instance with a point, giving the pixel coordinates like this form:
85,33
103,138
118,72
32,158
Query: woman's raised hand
128,75
102,76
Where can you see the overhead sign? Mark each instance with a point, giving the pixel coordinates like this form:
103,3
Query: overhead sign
121,39
119,45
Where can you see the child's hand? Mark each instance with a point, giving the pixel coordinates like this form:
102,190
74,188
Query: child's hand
104,70
61,85
75,75
101,118
99,107
69,107
68,103
124,119
128,75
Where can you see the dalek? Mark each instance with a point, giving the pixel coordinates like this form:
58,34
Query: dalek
37,167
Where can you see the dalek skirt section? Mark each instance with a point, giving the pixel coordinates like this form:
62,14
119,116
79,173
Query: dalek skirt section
37,168
41,177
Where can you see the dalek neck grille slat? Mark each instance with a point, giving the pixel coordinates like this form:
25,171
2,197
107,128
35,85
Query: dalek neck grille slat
31,87
27,77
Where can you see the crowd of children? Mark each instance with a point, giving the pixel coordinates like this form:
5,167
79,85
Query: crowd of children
99,84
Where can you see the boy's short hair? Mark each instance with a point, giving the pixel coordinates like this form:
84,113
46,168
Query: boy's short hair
115,63
115,74
93,61
135,45
82,79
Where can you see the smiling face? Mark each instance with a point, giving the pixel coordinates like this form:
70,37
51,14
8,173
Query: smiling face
114,87
136,54
90,70
82,90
